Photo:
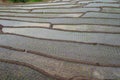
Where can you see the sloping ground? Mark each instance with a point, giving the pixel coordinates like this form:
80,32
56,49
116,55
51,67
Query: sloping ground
62,39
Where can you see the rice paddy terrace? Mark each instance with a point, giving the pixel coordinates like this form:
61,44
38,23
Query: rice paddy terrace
60,40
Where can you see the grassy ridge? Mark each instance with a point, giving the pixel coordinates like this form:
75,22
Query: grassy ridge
16,1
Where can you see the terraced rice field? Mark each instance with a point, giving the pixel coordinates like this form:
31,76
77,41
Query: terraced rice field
60,40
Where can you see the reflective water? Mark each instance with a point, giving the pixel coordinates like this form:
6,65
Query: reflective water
91,53
112,39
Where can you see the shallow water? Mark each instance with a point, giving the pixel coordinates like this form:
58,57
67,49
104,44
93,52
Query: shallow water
85,52
100,38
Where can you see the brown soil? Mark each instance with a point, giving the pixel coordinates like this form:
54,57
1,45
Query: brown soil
1,26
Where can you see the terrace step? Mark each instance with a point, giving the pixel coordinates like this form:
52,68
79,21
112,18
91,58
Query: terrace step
88,28
41,7
111,10
57,67
22,23
40,15
75,21
98,38
103,5
102,15
69,10
66,10
88,53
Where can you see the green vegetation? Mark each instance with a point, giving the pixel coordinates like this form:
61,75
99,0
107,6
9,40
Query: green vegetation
17,1
35,0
